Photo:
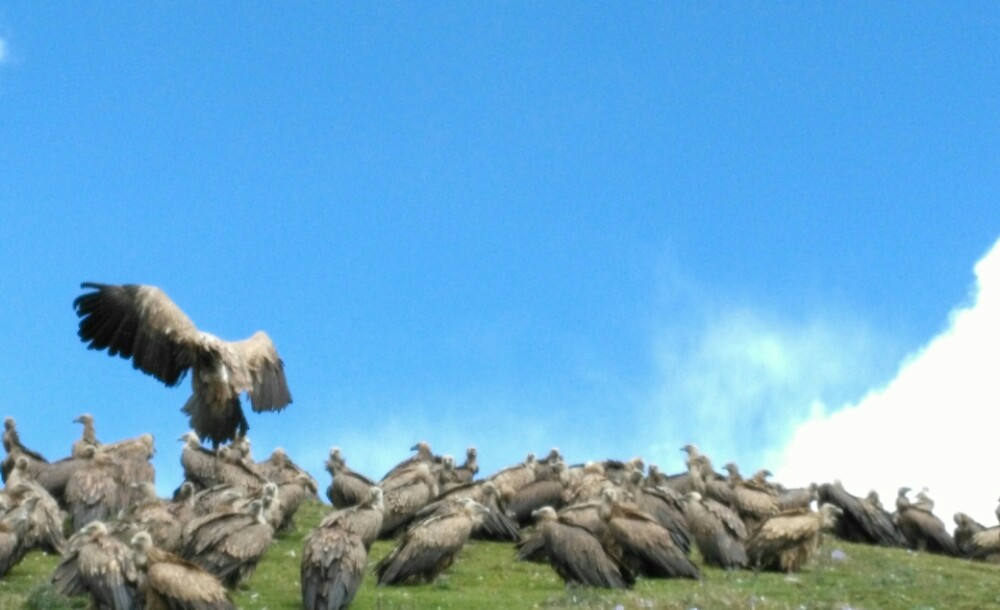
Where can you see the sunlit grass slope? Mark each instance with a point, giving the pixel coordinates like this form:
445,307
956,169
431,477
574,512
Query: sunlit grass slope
487,576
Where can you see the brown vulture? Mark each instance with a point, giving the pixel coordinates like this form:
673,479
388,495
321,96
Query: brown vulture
430,546
347,487
170,582
12,445
718,531
99,565
641,542
577,556
862,520
923,530
335,554
785,542
142,324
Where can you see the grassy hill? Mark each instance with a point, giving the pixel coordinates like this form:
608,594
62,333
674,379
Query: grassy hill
487,576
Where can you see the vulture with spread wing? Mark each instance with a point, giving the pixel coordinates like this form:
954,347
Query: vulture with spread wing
142,324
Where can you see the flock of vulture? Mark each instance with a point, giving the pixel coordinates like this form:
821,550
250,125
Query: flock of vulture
600,524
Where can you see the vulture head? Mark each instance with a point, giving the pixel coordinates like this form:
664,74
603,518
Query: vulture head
544,514
190,438
375,498
8,423
86,419
141,543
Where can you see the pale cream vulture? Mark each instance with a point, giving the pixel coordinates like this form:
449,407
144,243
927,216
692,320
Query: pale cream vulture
142,324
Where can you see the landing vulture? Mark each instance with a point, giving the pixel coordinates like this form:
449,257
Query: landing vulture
142,324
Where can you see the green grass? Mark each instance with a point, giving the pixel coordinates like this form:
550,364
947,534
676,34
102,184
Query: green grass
486,576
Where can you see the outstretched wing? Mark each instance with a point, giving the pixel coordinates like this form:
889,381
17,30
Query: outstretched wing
140,323
269,389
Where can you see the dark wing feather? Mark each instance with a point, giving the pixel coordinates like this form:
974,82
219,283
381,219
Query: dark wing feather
269,391
140,323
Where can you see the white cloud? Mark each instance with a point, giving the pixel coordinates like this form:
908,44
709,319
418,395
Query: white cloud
741,381
935,424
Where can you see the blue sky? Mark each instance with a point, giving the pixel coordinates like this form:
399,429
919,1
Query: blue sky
509,225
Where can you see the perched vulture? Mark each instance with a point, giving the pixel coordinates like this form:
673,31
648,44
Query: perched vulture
495,524
402,503
984,545
862,520
923,530
347,487
364,519
585,515
785,542
95,491
517,476
718,531
141,323
333,566
12,550
228,545
429,546
642,543
43,524
88,438
965,529
14,448
170,582
424,455
577,556
467,471
99,565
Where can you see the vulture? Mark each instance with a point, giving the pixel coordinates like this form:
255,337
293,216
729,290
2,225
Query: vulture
585,515
718,531
333,566
43,520
517,476
347,487
12,445
495,525
142,324
923,530
402,503
171,583
424,455
468,471
862,520
642,543
785,542
577,556
531,497
429,546
88,438
95,491
335,554
753,501
230,544
965,530
99,565
12,550
364,519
